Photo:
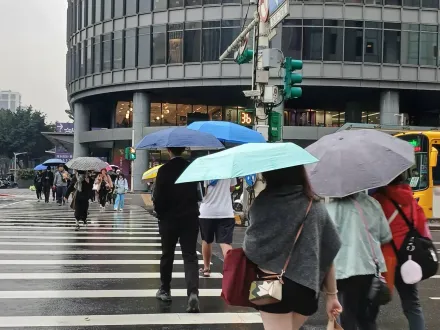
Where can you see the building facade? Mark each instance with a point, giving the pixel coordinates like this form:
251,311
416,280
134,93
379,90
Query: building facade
10,100
136,66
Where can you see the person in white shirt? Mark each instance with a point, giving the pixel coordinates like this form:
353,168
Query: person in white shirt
216,219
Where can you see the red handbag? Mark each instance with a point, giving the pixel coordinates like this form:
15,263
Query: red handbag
238,274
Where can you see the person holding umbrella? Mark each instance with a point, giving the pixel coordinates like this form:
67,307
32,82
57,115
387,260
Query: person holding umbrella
81,186
47,183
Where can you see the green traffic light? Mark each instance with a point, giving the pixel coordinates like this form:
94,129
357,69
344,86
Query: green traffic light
245,57
291,78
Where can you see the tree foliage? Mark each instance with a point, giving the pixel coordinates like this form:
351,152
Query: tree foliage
69,112
20,131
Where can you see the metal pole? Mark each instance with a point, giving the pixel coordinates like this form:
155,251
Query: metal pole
131,163
15,167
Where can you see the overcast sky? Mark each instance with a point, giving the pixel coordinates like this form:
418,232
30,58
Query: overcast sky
33,53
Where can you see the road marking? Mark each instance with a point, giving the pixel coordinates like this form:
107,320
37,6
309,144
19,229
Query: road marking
87,262
69,231
79,244
55,276
68,220
58,252
72,225
129,319
141,238
46,294
6,205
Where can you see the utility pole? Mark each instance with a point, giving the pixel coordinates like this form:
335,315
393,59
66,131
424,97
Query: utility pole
15,163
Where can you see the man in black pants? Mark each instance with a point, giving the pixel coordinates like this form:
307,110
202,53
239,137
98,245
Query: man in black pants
177,209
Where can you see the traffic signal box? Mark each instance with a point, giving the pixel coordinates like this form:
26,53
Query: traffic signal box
130,153
291,78
275,129
245,57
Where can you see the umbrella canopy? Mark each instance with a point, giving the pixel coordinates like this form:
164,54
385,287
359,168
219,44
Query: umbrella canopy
151,173
228,132
179,137
87,164
40,167
108,167
54,161
354,161
246,159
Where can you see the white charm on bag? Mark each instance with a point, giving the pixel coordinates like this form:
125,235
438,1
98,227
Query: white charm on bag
411,272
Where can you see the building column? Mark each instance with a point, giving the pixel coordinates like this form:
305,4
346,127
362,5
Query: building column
353,112
389,108
81,125
141,119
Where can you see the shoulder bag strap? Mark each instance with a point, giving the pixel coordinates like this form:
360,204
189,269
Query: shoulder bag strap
296,238
403,215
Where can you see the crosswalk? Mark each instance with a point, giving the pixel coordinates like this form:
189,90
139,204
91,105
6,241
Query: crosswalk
105,276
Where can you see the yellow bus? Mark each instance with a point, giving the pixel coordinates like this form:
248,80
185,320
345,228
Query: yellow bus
424,175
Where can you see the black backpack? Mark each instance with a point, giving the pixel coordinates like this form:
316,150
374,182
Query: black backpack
421,249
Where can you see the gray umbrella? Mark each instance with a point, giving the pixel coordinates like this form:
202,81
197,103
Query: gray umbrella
353,161
86,164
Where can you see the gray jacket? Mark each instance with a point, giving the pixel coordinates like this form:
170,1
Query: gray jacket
274,219
58,180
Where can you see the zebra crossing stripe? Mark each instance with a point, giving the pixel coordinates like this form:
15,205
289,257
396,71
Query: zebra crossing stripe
40,262
129,238
80,234
62,252
79,244
71,276
130,319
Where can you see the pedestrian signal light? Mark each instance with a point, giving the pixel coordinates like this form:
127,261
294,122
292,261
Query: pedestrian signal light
246,117
130,153
245,57
291,78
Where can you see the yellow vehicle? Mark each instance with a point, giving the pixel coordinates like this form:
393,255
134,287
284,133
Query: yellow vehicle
424,175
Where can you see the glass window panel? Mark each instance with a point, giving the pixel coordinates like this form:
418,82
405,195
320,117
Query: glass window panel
430,4
231,1
79,14
211,24
393,26
83,14
119,8
193,3
313,22
215,113
131,7
428,28
193,45
107,52
108,9
410,47
393,2
156,114
118,50
331,22
160,28
373,46
210,44
288,22
159,48
98,11
364,117
77,61
174,3
124,114
291,41
231,114
89,57
90,16
373,25
428,48
333,44
212,2
159,4
193,25
355,24
227,37
169,112
130,48
353,45
373,117
410,27
391,47
231,23
175,49
144,6
97,54
312,43
82,62
144,47
182,113
411,3
332,119
341,118
200,108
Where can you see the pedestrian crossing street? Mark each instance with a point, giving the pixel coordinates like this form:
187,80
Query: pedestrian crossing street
103,277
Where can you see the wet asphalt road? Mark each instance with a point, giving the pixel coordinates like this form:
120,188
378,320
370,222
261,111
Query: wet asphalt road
105,276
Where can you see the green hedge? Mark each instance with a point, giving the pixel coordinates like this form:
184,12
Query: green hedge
26,174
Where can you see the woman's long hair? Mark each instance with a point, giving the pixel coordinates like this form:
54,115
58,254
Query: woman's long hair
291,176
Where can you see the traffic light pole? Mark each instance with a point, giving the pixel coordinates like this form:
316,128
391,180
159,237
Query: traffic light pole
131,164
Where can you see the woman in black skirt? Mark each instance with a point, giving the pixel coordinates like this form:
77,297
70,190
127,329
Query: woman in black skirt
81,185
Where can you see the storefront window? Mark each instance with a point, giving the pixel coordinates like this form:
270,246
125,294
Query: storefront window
169,112
124,114
231,114
156,114
200,108
215,113
182,114
373,117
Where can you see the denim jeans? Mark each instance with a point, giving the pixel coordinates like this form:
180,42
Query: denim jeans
409,296
119,202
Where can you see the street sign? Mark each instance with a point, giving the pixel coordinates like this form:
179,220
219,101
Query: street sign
278,10
272,34
246,117
263,9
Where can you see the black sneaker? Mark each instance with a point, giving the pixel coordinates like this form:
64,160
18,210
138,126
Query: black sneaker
77,228
193,304
163,295
85,222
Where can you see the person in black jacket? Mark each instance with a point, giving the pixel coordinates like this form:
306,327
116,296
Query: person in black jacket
176,206
82,185
47,183
38,184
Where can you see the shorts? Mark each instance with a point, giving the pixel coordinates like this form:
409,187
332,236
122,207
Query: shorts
295,298
222,229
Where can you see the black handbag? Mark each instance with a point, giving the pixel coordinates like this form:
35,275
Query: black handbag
417,248
379,293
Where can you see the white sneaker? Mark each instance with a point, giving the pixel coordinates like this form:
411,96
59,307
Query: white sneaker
121,210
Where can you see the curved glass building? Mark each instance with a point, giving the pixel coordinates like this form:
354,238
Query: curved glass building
134,66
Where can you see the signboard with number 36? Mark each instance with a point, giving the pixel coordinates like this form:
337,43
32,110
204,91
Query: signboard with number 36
246,117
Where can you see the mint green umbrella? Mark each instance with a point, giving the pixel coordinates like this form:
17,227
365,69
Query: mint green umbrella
245,160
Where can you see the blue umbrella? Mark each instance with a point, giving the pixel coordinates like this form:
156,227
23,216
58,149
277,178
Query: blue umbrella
228,132
54,161
179,137
40,167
